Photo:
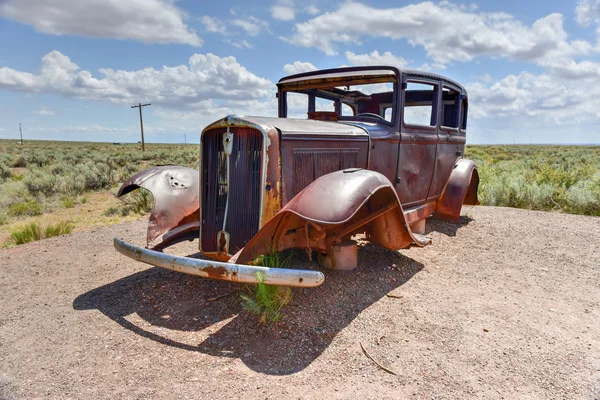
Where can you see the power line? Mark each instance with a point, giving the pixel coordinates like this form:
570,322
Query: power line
140,105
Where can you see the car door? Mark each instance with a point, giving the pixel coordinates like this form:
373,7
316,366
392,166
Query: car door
451,140
418,139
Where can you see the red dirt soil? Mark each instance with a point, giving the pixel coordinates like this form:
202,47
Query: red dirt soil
504,304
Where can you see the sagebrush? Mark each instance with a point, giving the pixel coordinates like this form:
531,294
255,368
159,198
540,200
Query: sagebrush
42,176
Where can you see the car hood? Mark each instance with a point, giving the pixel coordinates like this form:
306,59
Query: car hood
292,127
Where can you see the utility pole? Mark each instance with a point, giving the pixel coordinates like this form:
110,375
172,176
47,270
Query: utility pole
140,105
21,132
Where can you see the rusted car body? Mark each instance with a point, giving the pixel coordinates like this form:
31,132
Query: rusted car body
380,152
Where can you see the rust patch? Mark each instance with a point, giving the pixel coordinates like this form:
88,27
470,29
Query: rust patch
272,189
215,272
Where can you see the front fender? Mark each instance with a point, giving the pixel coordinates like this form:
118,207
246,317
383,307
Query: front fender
175,215
333,207
460,189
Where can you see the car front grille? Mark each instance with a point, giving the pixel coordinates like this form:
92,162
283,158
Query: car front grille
244,189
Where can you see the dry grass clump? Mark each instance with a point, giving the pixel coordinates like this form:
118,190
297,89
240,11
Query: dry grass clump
30,208
267,301
33,232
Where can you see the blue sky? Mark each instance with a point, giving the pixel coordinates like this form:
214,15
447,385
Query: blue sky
70,70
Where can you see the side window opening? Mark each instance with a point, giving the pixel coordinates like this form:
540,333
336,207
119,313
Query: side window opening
347,111
322,104
450,108
463,114
420,104
297,104
387,114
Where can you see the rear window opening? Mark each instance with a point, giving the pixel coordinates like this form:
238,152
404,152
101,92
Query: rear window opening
450,108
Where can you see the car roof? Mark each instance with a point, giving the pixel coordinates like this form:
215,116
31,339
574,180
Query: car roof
379,71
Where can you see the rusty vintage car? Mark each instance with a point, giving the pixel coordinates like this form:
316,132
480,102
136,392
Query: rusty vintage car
359,150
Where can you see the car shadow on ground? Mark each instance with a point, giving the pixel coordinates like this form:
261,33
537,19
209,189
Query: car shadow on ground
179,302
448,228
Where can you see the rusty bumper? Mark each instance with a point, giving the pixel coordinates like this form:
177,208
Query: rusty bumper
221,270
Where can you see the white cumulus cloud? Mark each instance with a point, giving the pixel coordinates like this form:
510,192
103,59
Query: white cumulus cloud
448,33
298,67
212,24
148,21
587,11
240,44
374,58
312,10
540,96
251,25
283,13
44,111
206,76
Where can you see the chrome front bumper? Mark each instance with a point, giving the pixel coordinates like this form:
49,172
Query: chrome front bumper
221,270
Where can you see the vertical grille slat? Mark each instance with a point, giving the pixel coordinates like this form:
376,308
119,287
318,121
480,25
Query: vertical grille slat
245,183
309,164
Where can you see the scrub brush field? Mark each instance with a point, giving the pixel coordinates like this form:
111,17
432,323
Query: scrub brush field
56,187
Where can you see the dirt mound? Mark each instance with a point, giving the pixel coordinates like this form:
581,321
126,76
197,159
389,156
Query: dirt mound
504,304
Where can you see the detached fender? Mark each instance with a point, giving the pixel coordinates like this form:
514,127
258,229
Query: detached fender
460,189
175,214
331,208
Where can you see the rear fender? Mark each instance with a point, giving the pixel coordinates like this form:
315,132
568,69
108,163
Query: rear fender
460,190
175,215
332,208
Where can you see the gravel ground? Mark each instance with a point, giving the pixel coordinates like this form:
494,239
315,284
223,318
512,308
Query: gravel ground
504,304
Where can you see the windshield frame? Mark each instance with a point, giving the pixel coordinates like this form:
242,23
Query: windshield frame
313,82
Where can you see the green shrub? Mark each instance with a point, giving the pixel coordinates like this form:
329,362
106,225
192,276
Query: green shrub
130,169
122,211
112,211
30,208
68,202
3,219
59,229
73,185
266,301
39,158
33,232
5,172
39,182
584,196
550,178
19,161
83,200
140,201
29,233
60,168
12,192
96,176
